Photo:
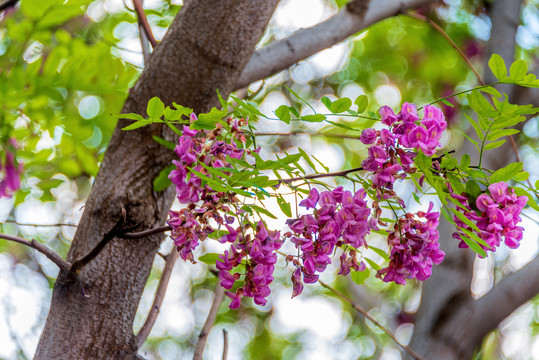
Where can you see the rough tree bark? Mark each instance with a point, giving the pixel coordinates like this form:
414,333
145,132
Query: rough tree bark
206,48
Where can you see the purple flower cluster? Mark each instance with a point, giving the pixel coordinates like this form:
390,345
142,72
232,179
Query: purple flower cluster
257,255
11,181
414,248
194,149
389,156
341,220
497,216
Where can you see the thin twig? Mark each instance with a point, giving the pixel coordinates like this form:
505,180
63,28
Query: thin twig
115,231
53,256
301,132
449,40
317,176
144,42
225,344
146,233
146,328
217,300
364,312
39,225
142,18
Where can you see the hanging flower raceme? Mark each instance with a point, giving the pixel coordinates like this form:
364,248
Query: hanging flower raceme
414,247
11,171
392,150
496,214
340,219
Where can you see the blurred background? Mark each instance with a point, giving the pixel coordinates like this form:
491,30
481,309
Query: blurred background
65,73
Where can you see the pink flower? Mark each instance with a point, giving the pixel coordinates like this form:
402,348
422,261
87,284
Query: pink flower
312,199
12,173
368,136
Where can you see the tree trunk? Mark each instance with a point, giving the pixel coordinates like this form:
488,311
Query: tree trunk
206,48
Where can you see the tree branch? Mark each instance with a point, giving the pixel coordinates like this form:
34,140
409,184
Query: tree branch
144,41
364,312
53,256
318,176
217,300
302,132
170,261
357,15
116,230
225,344
510,293
144,22
146,233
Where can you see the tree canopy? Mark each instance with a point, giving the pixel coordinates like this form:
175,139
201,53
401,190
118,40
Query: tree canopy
377,167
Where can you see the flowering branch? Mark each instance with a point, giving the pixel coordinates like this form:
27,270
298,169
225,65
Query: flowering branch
217,300
301,132
53,256
364,312
144,22
146,328
318,176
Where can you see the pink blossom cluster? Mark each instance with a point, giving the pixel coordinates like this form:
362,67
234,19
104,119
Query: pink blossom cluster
192,224
497,215
258,256
341,219
252,249
11,181
414,247
390,156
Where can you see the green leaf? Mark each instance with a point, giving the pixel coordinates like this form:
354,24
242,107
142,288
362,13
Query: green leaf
496,134
207,121
531,201
472,244
155,108
473,190
492,91
136,125
161,182
261,210
522,176
130,116
285,206
327,102
494,145
362,101
518,70
209,258
497,66
465,161
447,103
165,143
464,219
374,265
341,105
283,113
313,118
359,277
506,173
383,254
